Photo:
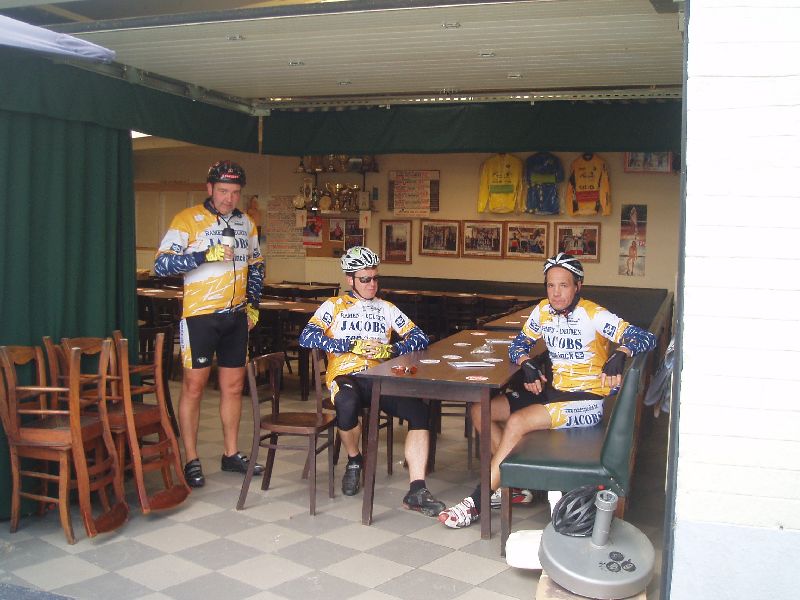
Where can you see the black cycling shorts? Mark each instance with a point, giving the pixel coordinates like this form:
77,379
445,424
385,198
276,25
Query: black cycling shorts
223,334
354,394
519,398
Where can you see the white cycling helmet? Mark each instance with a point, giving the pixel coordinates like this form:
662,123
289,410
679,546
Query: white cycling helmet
566,261
359,257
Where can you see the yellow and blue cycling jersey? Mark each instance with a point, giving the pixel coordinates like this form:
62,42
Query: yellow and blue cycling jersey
341,320
578,343
212,287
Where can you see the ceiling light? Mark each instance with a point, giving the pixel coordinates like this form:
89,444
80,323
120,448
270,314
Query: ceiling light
345,82
235,37
453,25
296,63
486,54
514,76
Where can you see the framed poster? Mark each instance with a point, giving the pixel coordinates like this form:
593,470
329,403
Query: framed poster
648,162
579,239
396,241
526,239
439,238
413,193
483,238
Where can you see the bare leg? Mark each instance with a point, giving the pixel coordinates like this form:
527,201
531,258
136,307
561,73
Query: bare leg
231,381
530,418
194,382
416,453
499,413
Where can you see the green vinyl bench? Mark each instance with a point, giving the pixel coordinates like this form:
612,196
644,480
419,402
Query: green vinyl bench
563,459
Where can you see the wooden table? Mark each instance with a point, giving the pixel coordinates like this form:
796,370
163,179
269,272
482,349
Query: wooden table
432,293
299,290
510,322
167,293
305,308
441,381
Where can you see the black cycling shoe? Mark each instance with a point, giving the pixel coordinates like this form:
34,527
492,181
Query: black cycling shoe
238,464
351,481
193,472
423,501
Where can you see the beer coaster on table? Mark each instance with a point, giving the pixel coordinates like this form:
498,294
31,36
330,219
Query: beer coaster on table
462,344
451,356
475,378
429,361
493,360
478,333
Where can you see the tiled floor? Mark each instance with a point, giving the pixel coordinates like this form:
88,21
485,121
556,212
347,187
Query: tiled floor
274,550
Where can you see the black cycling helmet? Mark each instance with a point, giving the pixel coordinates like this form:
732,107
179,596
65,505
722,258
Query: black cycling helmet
566,261
226,171
574,513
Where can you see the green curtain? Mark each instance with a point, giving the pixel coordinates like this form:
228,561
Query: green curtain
34,84
492,127
68,264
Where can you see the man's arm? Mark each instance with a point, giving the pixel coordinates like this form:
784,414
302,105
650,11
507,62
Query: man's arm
415,339
520,347
637,340
313,336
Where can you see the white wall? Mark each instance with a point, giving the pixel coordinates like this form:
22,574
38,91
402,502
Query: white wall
459,191
737,522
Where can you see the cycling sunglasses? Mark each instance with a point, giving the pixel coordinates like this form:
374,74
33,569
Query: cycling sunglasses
368,279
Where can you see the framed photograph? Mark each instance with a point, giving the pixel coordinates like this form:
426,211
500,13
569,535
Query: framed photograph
336,230
396,241
526,239
439,238
483,238
648,162
580,239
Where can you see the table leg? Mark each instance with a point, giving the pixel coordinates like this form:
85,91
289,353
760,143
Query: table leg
371,454
486,461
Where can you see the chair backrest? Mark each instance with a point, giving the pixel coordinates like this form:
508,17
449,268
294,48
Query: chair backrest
264,380
57,367
13,404
166,311
319,368
149,347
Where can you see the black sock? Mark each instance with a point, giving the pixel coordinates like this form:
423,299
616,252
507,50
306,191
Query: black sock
358,458
476,497
417,485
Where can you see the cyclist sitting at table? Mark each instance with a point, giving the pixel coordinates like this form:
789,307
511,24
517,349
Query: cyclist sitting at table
577,333
355,329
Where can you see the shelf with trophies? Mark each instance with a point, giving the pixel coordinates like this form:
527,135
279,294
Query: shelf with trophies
330,185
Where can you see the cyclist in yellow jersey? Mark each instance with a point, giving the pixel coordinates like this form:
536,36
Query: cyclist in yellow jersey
355,329
577,333
215,247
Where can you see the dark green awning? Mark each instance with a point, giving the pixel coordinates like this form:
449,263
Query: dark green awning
36,85
494,127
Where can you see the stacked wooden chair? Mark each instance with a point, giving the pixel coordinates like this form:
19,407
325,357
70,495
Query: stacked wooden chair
65,423
131,422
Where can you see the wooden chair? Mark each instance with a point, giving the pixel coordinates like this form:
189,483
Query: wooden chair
267,429
76,433
145,367
319,360
130,421
462,312
139,420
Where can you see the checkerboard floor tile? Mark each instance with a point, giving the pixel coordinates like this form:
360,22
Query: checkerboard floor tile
274,550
